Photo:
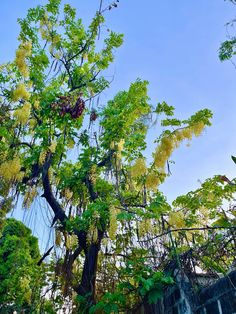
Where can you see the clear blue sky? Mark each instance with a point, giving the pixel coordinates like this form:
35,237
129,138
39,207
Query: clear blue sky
174,45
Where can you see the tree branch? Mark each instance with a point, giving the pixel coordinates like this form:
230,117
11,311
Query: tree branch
22,143
44,256
186,229
48,194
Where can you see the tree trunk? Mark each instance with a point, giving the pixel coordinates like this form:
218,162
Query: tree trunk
88,280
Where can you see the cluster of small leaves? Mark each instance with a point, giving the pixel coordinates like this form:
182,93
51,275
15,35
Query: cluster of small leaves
21,279
139,282
228,48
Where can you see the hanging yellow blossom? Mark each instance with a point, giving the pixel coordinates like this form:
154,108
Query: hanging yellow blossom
58,55
172,141
93,174
198,128
139,168
21,54
144,227
42,157
113,222
163,152
204,213
92,235
104,242
71,241
176,219
187,133
52,147
120,145
70,143
3,153
11,169
36,104
32,123
189,235
112,145
20,93
45,27
22,114
58,237
29,197
152,181
68,194
50,174
119,148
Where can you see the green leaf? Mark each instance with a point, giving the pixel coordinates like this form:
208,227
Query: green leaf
168,280
125,216
222,222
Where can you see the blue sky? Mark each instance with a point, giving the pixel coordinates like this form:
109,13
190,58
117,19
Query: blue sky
174,45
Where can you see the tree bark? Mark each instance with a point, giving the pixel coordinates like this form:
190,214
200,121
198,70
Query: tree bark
86,287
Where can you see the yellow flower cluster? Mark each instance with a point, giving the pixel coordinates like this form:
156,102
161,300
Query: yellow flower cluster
11,169
152,181
71,241
36,104
70,143
105,242
22,114
172,141
164,151
29,197
32,124
92,235
52,147
20,93
144,227
68,194
93,174
25,287
50,174
42,157
21,54
198,128
204,213
176,219
113,222
139,168
58,237
3,154
58,55
112,145
118,147
45,27
43,153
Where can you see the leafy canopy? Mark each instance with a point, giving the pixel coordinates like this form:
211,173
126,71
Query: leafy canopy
86,159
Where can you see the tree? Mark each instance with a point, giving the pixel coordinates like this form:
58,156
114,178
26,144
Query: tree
228,48
21,279
105,198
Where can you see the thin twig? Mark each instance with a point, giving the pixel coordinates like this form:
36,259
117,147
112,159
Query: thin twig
186,229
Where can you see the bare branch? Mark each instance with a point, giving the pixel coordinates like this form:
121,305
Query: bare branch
44,256
187,229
